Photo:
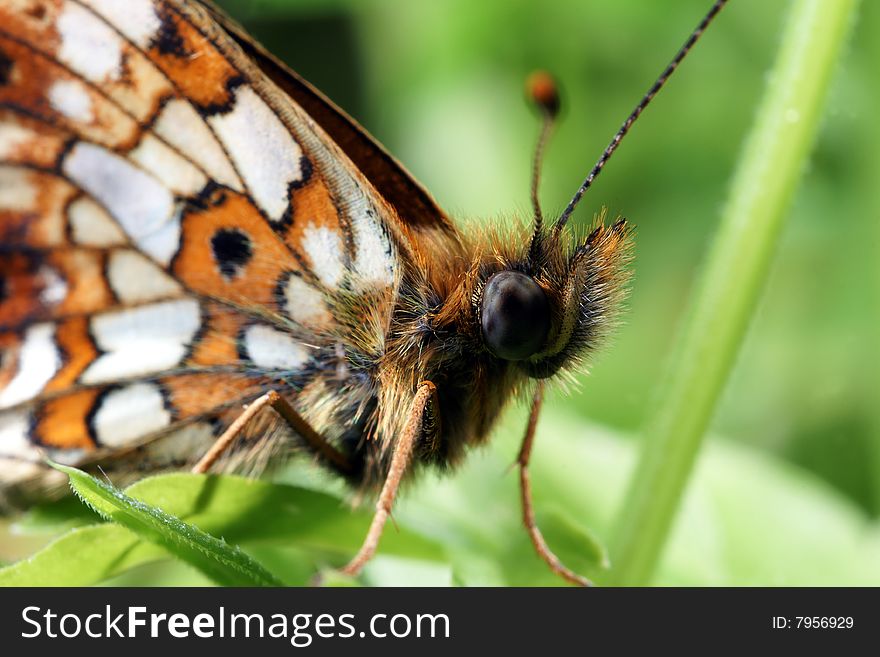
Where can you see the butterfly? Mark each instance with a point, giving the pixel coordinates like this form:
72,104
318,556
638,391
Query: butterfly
205,263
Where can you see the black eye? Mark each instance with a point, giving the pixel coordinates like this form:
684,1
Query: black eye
515,316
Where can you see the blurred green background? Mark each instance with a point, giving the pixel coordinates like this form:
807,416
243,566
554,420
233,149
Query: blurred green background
788,489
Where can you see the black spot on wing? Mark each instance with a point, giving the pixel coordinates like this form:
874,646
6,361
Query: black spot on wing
168,40
5,68
232,250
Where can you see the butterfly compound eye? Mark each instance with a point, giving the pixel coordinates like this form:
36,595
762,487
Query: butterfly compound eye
515,316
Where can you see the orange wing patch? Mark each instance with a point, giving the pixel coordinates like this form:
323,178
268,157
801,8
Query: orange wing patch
191,62
229,252
192,395
62,423
79,351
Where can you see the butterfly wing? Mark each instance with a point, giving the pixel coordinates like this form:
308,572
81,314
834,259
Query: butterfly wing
415,206
177,236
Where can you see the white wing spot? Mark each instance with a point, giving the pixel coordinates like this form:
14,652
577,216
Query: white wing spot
265,153
70,98
141,205
39,360
271,349
54,286
135,279
90,225
13,137
168,167
324,248
305,304
142,340
181,126
130,413
88,45
375,261
17,193
136,19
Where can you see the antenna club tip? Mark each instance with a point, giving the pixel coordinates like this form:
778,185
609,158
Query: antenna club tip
543,91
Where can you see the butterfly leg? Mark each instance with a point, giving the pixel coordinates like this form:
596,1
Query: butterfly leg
426,395
281,406
525,484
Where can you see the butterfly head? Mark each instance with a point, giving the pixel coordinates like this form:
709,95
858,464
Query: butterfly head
546,309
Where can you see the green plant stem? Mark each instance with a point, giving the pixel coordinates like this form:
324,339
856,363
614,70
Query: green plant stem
869,168
767,175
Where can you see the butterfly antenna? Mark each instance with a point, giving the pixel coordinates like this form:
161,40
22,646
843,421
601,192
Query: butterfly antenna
542,91
646,100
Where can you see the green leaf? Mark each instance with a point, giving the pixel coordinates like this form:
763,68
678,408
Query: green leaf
82,556
321,526
577,546
54,517
220,561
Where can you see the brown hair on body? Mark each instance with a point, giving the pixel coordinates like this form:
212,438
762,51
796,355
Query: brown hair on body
436,333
